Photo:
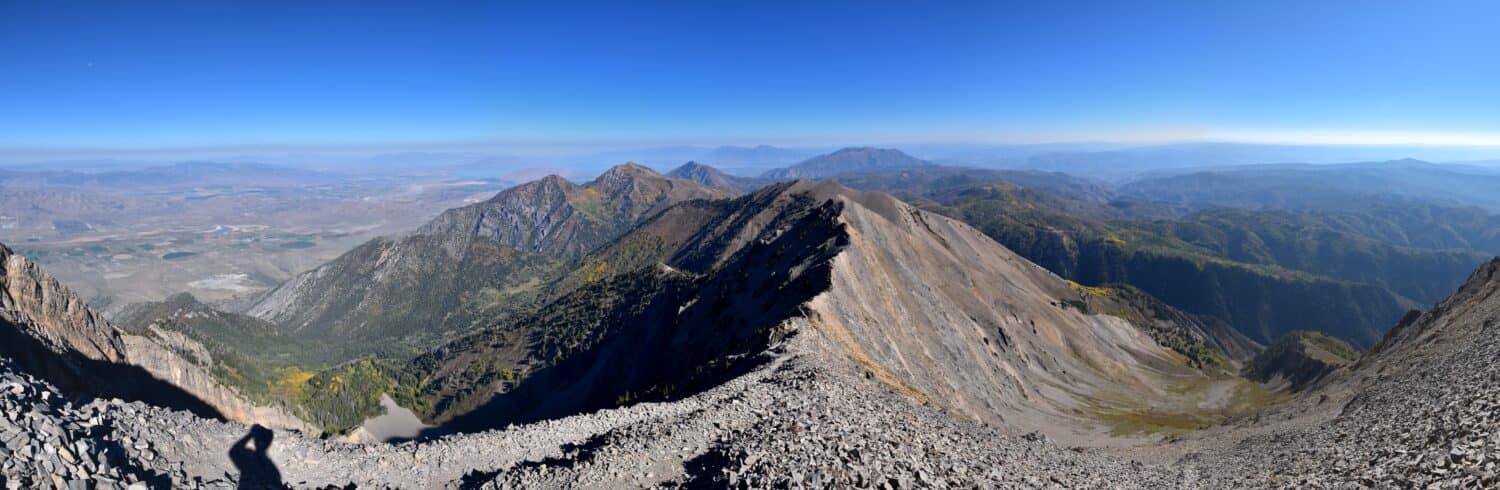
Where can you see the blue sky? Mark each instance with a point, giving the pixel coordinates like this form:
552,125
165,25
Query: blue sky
350,74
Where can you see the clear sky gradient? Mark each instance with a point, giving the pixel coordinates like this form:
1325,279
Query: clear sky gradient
206,73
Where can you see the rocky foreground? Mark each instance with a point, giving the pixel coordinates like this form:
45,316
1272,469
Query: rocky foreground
788,424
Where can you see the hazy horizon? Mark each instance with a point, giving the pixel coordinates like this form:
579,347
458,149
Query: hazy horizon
110,81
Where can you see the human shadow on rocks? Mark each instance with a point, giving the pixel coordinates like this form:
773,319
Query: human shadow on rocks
257,472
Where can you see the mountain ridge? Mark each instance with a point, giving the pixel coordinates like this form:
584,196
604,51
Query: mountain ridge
470,264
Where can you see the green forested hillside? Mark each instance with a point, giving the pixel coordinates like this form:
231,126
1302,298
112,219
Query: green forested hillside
1306,242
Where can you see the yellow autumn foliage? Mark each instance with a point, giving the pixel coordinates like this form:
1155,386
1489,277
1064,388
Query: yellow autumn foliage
291,383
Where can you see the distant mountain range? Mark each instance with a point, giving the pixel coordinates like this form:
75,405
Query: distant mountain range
1125,162
1337,186
1115,162
175,176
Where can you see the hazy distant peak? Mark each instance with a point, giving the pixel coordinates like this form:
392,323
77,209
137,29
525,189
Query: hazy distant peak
713,177
849,160
691,169
630,168
1409,162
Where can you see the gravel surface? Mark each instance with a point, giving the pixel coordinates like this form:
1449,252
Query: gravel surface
788,424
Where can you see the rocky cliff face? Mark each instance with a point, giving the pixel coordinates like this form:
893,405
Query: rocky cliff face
50,331
43,309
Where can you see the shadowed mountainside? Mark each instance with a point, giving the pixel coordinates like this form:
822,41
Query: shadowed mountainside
51,332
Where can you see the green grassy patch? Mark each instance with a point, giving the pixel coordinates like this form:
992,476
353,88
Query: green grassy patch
1182,413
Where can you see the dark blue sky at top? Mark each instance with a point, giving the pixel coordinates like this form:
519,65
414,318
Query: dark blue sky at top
148,74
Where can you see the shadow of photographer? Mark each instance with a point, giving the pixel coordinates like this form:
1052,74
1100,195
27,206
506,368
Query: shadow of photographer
255,466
